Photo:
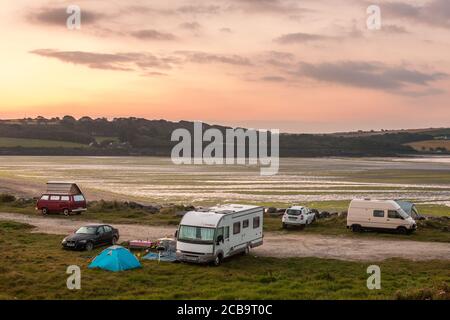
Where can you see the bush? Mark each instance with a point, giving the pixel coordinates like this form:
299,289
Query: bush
7,198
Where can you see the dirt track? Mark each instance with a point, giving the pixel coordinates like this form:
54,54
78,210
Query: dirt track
275,245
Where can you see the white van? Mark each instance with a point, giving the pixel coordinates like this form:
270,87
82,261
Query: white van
219,232
378,214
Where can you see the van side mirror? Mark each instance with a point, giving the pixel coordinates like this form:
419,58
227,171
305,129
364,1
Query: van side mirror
176,234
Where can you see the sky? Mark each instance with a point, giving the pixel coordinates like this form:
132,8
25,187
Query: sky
294,65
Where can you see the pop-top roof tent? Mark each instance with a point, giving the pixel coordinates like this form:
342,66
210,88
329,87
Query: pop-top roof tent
63,187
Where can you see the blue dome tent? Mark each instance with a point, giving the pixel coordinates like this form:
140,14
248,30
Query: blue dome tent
115,258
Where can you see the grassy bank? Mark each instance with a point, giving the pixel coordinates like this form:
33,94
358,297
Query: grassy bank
116,213
34,267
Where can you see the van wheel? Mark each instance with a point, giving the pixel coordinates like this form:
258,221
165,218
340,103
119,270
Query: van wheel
356,228
218,260
402,230
44,211
66,212
89,246
302,226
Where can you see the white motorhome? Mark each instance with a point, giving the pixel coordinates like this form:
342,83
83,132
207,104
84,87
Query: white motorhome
378,214
219,232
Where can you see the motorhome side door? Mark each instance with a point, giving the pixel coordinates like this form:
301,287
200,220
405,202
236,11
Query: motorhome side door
223,239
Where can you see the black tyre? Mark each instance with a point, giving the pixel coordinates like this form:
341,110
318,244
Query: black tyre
402,230
66,212
356,228
44,211
89,246
302,226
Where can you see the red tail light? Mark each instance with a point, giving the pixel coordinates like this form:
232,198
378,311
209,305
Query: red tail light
301,217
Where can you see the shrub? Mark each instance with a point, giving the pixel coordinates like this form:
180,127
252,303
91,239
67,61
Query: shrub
7,198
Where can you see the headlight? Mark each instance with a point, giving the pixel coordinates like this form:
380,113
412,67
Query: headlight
64,240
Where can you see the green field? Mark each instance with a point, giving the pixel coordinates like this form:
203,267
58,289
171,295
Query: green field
37,143
34,267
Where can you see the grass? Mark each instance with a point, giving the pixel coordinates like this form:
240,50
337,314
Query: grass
34,267
117,213
430,145
37,143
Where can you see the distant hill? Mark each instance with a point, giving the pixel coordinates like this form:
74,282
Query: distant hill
136,136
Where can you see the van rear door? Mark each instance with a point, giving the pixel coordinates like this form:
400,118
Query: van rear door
79,202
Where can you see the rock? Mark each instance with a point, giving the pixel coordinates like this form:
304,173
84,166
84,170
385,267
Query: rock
343,214
324,214
270,210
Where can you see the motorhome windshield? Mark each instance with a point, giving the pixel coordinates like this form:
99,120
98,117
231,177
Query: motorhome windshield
293,212
196,234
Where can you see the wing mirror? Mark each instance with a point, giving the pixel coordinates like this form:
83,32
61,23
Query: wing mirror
176,234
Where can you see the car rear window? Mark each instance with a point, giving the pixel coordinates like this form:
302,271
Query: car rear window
78,198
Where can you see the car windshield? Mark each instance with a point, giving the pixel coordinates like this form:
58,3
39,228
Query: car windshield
87,230
196,234
293,212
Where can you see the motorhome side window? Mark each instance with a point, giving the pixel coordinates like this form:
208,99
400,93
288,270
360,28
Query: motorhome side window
245,224
378,213
227,233
256,222
393,214
236,227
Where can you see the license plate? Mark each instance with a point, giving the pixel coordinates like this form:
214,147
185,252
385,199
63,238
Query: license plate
192,258
292,218
70,244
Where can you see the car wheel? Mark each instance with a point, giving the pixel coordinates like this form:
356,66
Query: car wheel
66,212
89,246
218,260
114,241
402,230
44,211
356,228
302,226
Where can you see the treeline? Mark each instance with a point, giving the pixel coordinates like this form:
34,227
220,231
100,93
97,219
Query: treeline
135,136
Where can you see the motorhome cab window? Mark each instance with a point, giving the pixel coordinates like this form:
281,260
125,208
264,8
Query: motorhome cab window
65,198
78,198
393,214
44,198
378,213
245,224
195,234
236,227
256,222
54,198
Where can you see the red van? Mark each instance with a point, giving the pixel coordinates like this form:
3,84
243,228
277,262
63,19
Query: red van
62,197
